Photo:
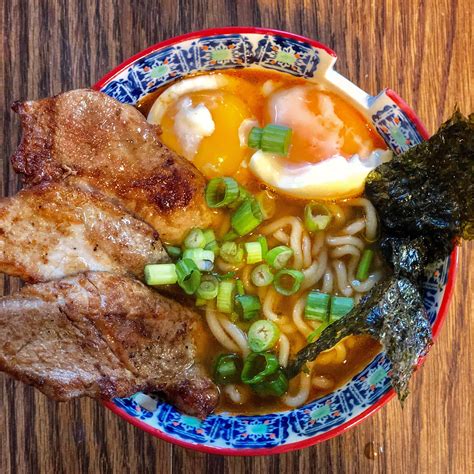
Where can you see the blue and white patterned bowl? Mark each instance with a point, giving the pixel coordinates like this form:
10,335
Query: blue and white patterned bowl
333,414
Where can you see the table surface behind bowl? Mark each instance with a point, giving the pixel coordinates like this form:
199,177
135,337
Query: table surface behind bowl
419,48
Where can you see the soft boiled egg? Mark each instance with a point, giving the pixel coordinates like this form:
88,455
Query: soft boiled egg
200,118
332,149
334,178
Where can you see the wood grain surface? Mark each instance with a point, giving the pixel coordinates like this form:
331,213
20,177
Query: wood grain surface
422,49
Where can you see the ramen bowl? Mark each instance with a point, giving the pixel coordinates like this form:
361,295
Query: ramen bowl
396,123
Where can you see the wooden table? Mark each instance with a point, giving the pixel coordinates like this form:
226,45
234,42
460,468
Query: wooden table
422,49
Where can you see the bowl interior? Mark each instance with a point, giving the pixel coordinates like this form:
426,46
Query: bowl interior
396,123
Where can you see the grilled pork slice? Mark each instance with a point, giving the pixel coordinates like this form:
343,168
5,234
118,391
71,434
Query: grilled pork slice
94,141
103,336
52,230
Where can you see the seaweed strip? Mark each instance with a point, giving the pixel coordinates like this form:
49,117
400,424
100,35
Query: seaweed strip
425,201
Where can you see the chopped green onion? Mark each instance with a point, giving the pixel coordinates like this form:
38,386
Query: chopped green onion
261,275
200,302
160,274
189,277
247,306
340,306
225,296
243,195
264,244
173,252
267,202
276,139
224,276
287,282
247,217
274,385
195,239
317,332
255,137
232,252
212,246
221,192
263,335
209,235
239,287
254,252
316,216
364,265
227,368
208,288
257,366
279,256
317,306
204,259
231,235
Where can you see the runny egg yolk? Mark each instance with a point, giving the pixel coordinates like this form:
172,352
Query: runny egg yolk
220,153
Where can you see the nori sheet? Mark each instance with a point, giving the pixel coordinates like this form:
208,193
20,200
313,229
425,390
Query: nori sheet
425,202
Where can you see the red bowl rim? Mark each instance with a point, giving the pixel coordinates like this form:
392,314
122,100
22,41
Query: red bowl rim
441,313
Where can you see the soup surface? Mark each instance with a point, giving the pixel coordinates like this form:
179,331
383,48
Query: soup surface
208,121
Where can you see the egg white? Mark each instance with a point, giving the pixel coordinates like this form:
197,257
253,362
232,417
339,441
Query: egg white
333,178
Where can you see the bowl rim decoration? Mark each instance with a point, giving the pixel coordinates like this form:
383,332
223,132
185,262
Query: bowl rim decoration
323,58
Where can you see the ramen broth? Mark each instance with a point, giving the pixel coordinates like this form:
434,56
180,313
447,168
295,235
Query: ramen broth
336,366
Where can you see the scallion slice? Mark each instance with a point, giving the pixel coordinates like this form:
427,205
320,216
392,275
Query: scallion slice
212,246
267,202
261,275
287,281
231,235
204,259
317,306
232,252
208,288
316,216
279,256
263,335
258,366
364,265
254,252
247,306
173,252
209,235
264,244
189,277
276,139
225,296
243,195
274,385
195,239
255,137
247,217
340,306
239,287
221,192
160,274
200,302
227,368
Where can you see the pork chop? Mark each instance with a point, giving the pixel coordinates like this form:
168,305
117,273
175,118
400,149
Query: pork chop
93,141
103,336
52,230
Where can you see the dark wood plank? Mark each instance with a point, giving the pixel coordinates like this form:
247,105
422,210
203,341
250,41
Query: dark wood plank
422,49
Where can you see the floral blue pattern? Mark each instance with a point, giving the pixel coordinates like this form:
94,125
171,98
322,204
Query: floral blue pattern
398,131
219,52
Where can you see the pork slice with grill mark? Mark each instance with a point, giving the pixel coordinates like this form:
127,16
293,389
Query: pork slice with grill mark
103,336
93,141
52,230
